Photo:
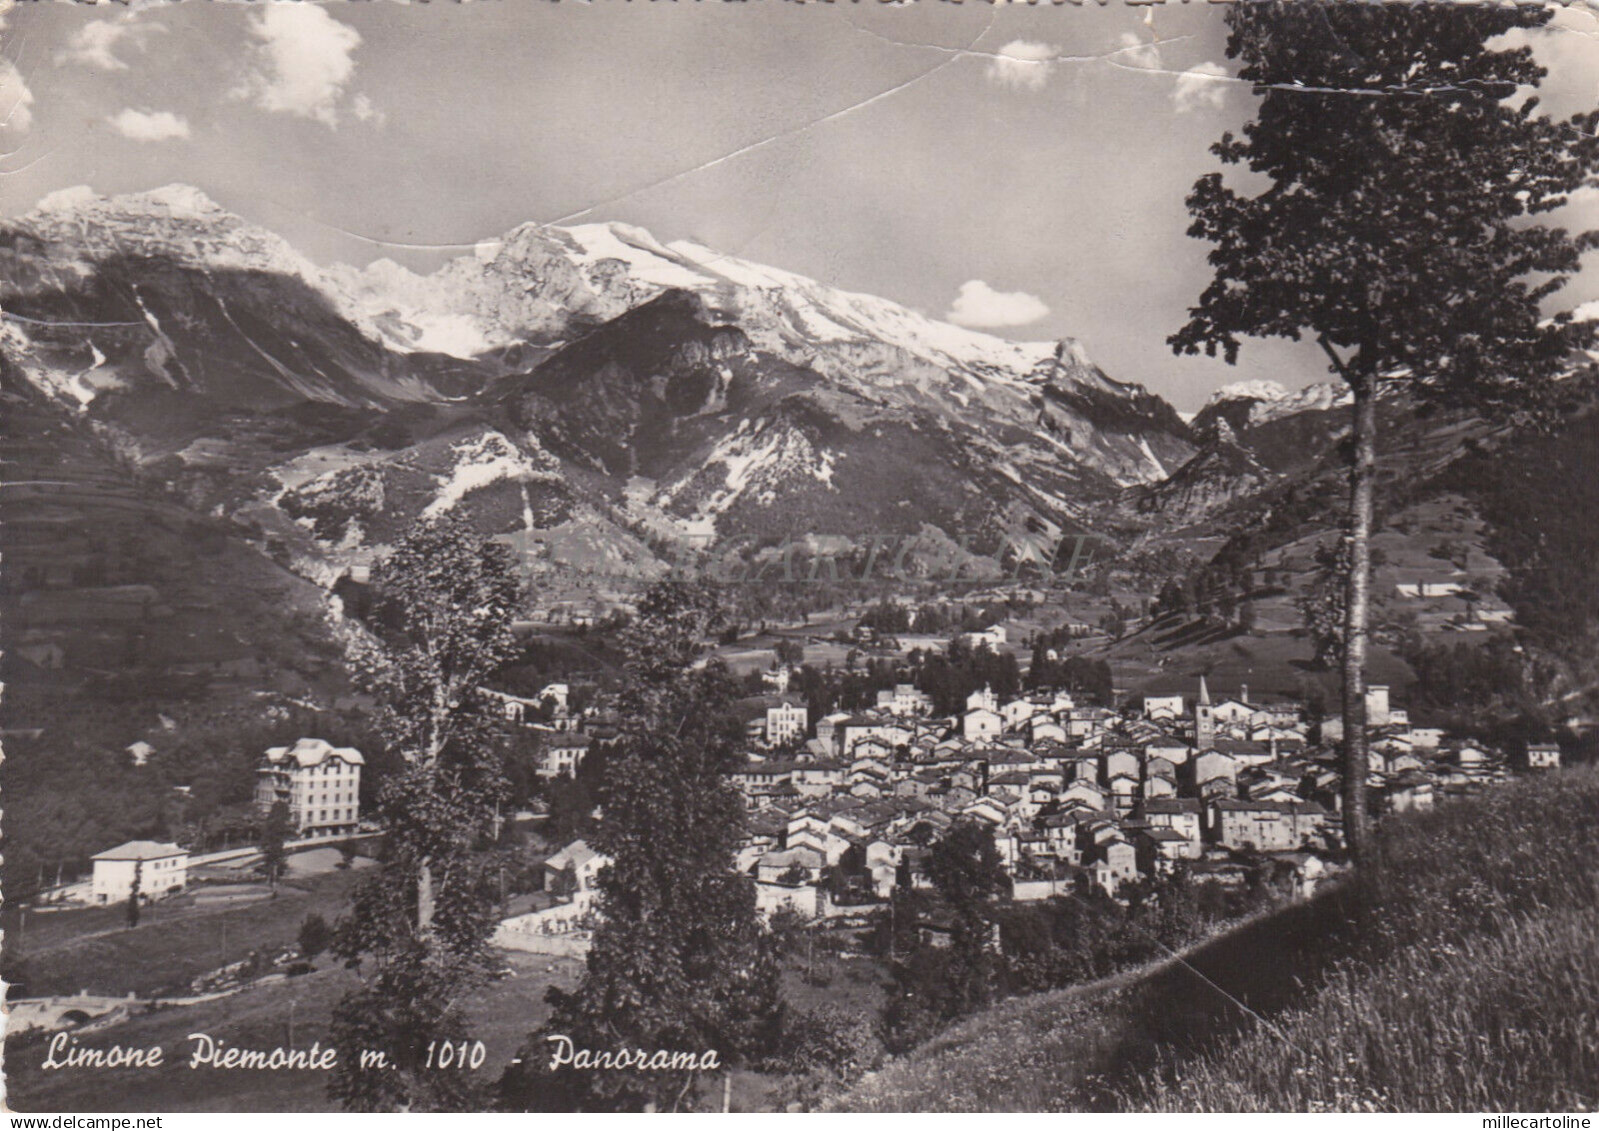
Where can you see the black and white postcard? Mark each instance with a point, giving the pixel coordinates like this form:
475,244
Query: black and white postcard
800,557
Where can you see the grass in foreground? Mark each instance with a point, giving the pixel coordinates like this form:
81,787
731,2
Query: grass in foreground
1461,974
175,941
1505,1022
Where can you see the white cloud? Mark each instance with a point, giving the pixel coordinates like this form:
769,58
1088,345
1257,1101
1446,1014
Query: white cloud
149,125
1023,64
361,106
1201,87
302,63
979,304
94,44
1135,51
16,101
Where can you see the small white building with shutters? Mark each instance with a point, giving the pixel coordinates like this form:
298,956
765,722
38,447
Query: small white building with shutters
561,753
786,721
319,782
578,861
162,869
1543,756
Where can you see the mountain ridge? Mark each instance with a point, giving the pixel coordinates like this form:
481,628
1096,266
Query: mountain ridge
682,393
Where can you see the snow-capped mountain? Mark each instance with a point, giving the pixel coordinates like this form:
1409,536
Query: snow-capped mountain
589,375
600,270
536,283
167,291
1280,430
1248,390
1264,401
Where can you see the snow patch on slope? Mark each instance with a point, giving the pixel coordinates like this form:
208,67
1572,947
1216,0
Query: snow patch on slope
480,462
66,198
410,313
458,335
647,258
1160,468
1311,398
80,385
752,462
828,314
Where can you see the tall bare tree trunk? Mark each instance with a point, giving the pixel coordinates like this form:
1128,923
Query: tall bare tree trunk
1362,474
424,898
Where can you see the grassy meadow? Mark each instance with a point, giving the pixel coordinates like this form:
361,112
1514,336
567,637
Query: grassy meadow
1462,974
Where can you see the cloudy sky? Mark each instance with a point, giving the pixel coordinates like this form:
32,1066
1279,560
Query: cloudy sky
1016,168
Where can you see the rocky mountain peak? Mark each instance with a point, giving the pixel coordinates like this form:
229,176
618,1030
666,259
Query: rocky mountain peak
1248,391
176,223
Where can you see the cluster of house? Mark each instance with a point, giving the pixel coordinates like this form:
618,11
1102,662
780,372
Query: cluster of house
565,736
1076,795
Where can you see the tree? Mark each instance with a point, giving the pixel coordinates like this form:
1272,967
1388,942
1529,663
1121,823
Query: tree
1396,228
823,1050
443,604
934,985
315,935
679,960
1323,603
441,608
571,808
1092,678
564,883
1246,615
133,894
274,832
1114,622
966,870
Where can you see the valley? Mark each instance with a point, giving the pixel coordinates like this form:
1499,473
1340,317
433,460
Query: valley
211,443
